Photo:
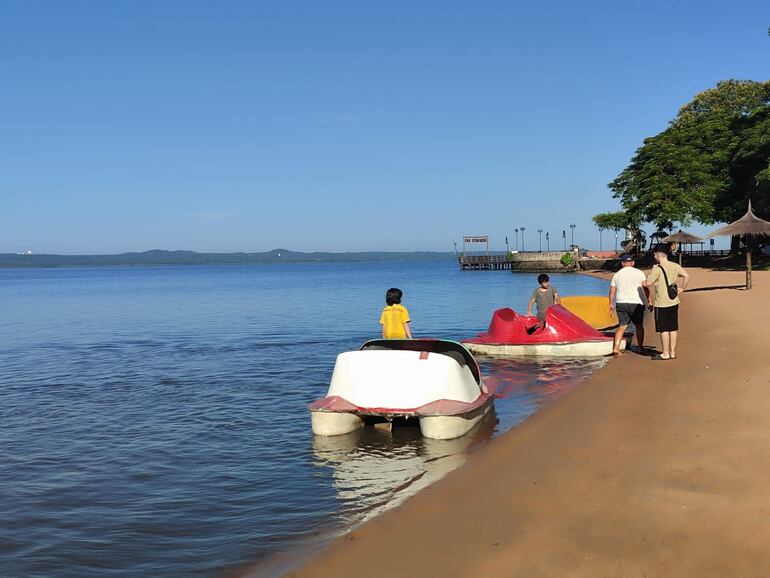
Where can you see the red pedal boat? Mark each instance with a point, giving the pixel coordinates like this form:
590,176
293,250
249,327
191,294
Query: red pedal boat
564,334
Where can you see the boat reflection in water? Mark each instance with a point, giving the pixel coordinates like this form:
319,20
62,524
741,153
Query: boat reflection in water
524,385
373,470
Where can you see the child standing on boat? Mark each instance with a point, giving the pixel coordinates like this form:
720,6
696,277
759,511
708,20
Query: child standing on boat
395,317
544,297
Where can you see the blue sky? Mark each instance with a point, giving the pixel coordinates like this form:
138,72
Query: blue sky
339,125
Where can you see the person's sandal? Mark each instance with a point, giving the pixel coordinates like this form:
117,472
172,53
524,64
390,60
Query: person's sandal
661,358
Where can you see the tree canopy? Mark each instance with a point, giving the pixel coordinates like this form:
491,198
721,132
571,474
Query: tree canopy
617,220
704,167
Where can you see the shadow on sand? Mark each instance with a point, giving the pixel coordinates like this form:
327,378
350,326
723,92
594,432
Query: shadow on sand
740,287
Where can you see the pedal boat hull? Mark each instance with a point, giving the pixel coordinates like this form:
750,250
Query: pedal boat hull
435,382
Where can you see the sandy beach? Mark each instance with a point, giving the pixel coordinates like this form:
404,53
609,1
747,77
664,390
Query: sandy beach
646,469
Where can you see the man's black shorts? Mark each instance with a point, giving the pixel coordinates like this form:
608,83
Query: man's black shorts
630,312
667,319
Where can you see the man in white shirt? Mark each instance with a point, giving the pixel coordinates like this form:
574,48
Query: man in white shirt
627,289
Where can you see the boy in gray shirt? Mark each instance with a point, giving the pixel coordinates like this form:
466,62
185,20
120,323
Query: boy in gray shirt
544,296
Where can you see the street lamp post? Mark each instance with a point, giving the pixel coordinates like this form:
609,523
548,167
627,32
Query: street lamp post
616,239
540,242
572,226
564,238
600,239
548,241
517,239
507,250
522,238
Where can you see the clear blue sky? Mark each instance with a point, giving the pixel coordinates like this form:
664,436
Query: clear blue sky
339,125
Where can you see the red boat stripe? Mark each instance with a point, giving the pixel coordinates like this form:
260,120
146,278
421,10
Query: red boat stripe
336,404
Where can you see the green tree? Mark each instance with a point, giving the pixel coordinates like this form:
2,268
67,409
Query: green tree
705,164
616,220
730,97
623,220
749,170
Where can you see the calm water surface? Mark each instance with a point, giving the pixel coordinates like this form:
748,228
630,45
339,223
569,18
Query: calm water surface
154,420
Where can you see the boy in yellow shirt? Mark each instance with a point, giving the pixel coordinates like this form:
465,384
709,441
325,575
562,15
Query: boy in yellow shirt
395,317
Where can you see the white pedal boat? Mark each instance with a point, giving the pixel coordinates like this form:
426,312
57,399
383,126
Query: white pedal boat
434,381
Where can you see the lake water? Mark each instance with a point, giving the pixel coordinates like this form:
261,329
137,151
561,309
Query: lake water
154,420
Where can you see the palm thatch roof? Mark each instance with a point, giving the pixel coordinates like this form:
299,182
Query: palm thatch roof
682,237
748,224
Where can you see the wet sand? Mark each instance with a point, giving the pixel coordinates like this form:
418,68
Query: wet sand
647,469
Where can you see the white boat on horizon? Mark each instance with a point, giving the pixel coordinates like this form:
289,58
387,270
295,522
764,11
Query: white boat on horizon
434,381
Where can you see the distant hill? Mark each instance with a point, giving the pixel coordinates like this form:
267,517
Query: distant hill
162,257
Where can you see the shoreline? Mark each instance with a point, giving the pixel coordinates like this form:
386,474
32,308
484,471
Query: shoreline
298,553
644,468
162,257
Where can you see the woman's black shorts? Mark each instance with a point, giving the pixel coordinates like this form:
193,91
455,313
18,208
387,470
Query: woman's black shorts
667,319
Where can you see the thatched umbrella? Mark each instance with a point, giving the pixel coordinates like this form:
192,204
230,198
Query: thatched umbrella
681,237
749,225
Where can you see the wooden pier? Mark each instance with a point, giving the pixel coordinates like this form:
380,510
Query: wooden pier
485,263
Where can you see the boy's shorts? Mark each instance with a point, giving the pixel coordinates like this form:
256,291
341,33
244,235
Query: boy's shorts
630,312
